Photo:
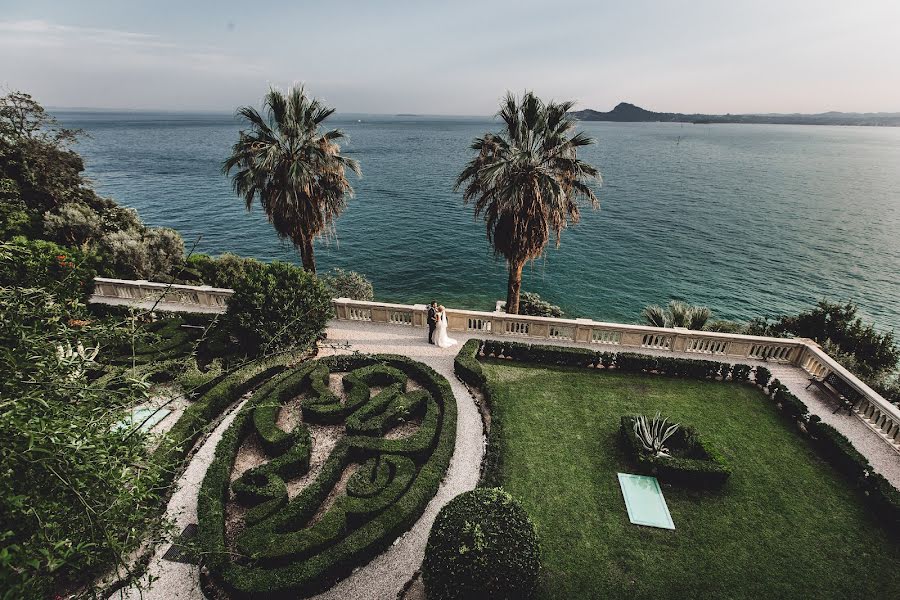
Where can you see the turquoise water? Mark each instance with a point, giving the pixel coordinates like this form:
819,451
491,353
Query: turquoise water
644,501
747,219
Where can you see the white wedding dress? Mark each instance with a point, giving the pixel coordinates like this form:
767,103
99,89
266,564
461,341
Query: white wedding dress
440,333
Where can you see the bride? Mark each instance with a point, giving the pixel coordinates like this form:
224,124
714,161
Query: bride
440,334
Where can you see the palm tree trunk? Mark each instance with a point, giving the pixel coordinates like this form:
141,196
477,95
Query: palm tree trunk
513,287
307,255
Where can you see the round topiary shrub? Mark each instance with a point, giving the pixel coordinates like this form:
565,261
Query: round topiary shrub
482,545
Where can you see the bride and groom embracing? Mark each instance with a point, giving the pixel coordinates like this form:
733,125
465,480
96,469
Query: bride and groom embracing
437,326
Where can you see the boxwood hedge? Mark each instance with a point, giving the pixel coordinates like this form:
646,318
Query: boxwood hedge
699,463
283,551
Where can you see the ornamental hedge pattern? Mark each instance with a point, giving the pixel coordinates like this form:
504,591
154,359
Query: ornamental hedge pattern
288,547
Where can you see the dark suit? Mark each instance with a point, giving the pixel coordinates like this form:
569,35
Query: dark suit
432,323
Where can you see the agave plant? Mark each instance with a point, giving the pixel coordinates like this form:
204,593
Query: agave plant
653,433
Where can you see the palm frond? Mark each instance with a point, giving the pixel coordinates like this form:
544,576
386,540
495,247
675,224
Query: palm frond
293,170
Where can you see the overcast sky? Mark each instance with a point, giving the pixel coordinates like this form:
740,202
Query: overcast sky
457,57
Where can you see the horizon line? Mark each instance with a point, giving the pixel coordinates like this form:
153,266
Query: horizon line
217,111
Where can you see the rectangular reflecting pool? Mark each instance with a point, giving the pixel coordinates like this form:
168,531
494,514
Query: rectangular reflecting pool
644,501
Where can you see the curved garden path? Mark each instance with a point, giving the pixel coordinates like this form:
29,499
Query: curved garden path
384,576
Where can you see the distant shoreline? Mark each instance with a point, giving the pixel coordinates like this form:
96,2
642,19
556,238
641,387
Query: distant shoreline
629,113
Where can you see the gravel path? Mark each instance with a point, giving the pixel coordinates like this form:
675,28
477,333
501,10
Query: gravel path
384,576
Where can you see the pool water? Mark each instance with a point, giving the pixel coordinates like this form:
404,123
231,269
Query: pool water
644,501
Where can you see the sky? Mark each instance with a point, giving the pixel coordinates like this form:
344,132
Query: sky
456,57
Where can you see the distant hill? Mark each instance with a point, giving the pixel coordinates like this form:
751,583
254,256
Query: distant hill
629,113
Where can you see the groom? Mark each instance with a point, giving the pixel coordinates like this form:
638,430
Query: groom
432,320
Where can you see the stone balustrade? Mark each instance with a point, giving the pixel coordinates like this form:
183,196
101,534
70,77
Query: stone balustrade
876,412
164,296
879,414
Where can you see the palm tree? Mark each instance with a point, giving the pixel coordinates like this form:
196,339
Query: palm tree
677,314
526,182
294,170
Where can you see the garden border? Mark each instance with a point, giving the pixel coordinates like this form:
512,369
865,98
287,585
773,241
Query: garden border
832,446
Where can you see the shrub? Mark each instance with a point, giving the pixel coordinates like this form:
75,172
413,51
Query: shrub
793,407
467,366
76,494
68,274
348,284
762,376
14,216
693,460
839,451
152,253
885,500
395,481
482,545
632,362
532,304
227,271
280,306
740,372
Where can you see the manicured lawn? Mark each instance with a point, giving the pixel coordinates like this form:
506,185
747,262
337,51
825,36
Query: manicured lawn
784,526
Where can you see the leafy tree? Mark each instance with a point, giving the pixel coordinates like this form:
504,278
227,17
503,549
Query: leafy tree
35,153
278,307
149,254
292,168
526,182
532,304
839,324
348,284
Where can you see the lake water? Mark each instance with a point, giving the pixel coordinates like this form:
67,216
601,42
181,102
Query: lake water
747,219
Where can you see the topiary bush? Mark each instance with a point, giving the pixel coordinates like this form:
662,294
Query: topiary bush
483,545
762,376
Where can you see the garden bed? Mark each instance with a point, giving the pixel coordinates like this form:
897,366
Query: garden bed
694,461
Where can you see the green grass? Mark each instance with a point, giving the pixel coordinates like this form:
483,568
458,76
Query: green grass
784,526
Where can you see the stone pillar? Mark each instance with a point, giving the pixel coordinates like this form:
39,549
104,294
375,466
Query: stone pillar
583,331
419,315
632,338
679,340
340,308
